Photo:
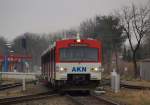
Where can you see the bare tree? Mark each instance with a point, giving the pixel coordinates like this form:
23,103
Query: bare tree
87,28
136,21
107,29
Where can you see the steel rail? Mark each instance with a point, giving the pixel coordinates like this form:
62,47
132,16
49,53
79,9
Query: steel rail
12,85
92,100
11,100
126,85
7,86
132,86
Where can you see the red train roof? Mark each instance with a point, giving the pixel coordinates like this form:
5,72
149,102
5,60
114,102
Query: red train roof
70,42
83,42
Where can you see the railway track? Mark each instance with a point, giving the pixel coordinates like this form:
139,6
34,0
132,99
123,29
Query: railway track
14,100
126,85
77,100
12,85
91,100
7,86
133,86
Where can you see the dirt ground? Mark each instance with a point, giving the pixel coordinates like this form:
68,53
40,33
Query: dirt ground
130,96
18,91
56,100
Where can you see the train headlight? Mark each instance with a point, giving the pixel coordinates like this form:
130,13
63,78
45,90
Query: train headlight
94,69
61,69
78,40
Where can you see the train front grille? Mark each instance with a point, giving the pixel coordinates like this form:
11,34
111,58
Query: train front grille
78,79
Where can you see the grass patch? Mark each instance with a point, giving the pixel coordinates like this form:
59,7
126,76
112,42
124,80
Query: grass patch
131,97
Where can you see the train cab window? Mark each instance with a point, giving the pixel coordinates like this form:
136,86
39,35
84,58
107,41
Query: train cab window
79,54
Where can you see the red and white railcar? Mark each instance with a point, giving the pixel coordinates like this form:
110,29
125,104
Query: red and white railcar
72,61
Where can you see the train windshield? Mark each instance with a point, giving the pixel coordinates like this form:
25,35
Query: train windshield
79,54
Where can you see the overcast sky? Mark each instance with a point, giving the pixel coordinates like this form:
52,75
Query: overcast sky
45,16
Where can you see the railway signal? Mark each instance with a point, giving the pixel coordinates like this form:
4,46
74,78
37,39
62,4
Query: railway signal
24,43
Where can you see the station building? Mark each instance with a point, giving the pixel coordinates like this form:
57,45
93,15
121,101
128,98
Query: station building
13,62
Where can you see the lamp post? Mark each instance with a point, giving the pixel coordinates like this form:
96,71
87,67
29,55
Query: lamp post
11,60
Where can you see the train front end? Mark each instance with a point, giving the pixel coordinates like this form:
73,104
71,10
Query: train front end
78,63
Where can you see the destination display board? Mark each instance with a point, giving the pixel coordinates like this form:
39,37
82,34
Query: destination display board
78,45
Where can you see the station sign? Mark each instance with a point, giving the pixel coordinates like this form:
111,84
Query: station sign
15,58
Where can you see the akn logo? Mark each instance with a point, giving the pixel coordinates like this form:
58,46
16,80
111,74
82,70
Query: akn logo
79,69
